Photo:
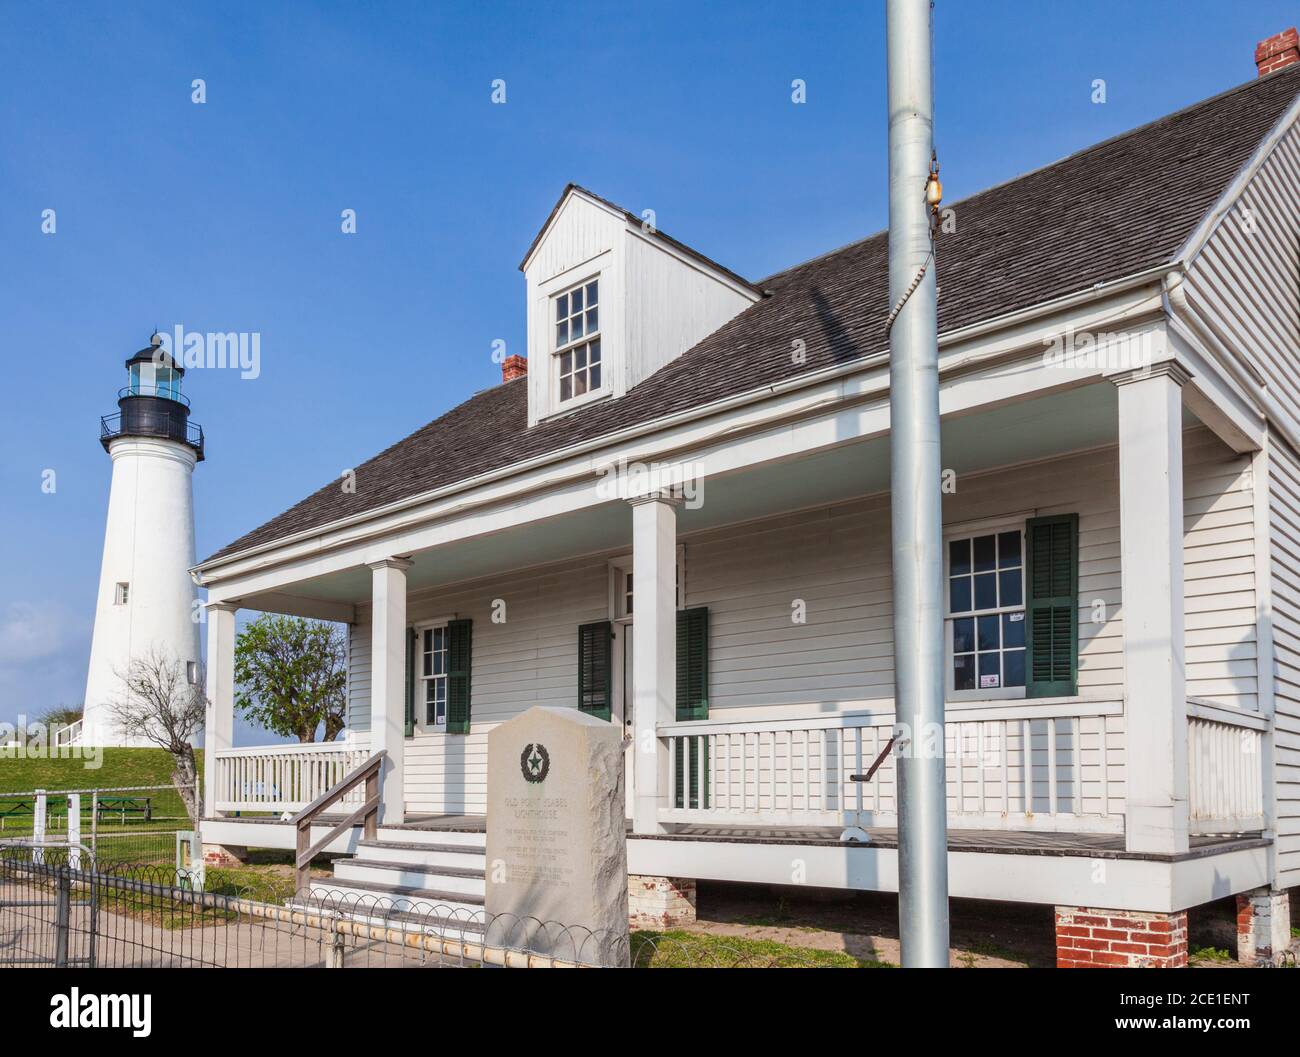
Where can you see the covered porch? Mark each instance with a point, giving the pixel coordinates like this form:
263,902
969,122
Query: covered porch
1126,760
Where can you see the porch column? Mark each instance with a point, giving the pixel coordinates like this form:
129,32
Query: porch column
219,722
654,658
1151,575
387,681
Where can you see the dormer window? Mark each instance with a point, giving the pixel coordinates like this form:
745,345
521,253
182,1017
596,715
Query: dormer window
577,341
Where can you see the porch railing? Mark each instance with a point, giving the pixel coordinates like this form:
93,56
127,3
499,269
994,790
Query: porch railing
1014,767
1224,770
283,778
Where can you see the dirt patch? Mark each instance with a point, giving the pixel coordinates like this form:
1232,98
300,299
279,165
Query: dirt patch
865,924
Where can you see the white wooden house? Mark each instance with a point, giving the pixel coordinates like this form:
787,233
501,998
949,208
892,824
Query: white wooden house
698,464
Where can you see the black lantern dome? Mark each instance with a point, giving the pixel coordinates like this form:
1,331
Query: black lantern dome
152,404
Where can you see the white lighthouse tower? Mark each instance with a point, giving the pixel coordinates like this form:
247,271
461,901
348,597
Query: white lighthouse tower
147,601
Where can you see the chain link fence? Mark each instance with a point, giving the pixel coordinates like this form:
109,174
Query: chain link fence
126,824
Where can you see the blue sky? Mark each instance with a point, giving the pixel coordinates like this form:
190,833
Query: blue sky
225,216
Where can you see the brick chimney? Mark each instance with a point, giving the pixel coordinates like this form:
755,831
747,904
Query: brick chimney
1280,50
513,367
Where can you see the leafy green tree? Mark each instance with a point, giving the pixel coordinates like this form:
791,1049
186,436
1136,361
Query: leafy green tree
291,676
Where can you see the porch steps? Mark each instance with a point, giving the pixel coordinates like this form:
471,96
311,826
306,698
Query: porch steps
431,875
454,906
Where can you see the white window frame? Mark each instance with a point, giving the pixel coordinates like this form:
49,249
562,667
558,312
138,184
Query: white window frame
420,693
558,350
122,593
970,530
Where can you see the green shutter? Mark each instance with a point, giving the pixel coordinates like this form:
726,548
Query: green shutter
410,683
692,664
595,668
1052,606
692,703
459,661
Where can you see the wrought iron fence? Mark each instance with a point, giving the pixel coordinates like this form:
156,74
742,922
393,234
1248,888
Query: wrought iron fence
59,908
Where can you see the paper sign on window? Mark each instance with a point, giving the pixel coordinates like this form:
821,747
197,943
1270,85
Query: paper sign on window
990,682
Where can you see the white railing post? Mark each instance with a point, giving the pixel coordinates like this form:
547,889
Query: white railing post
38,827
74,830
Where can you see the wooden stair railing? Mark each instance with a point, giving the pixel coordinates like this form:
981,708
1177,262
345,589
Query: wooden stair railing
368,772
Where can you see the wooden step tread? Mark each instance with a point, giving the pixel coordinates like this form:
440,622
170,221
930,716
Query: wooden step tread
458,849
415,867
424,895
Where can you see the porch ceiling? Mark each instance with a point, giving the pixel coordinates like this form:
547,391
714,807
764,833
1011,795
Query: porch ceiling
1061,422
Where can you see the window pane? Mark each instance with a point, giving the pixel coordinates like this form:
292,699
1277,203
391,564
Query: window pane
1013,668
566,363
1011,591
561,334
575,328
566,388
1008,548
985,553
958,557
963,672
562,306
579,384
988,633
593,291
580,357
595,376
990,670
594,350
959,594
986,590
575,300
593,319
1013,630
963,635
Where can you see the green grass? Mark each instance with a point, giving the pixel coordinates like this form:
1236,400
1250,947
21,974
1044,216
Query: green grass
118,768
679,949
1211,954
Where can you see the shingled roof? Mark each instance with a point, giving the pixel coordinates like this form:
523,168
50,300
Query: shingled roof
1110,211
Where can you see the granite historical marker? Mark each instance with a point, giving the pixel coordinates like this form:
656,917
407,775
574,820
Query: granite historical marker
556,836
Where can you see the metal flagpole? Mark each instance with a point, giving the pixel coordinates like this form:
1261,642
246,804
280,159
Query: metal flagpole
915,492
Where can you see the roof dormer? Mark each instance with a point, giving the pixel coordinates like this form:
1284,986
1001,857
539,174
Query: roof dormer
611,300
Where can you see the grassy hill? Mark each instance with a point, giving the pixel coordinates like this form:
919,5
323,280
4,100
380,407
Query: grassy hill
121,767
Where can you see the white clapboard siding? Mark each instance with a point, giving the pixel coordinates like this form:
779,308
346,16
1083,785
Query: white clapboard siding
1242,285
831,565
1219,571
530,659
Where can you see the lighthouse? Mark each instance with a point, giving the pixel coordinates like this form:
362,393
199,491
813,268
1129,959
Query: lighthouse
147,603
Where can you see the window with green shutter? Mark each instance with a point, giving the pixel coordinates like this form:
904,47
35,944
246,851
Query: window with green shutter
459,662
410,683
692,664
691,765
1052,605
595,668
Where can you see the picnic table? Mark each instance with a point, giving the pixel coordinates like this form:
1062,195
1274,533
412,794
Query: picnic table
124,805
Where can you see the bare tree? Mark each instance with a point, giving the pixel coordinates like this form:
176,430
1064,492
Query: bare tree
160,704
